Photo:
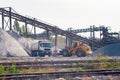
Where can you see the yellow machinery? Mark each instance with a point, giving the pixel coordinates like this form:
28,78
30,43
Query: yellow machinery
81,50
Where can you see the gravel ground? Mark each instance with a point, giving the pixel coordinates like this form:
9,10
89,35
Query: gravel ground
85,77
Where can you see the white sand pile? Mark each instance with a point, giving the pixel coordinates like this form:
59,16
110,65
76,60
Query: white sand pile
3,51
26,44
9,44
22,40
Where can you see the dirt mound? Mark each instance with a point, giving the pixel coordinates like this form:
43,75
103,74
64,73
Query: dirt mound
110,50
10,46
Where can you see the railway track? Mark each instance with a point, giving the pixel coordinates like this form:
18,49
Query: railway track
62,63
24,63
53,75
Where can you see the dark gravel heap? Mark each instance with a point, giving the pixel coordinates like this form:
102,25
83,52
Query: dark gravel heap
110,50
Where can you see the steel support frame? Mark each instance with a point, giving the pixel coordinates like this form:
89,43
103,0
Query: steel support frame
66,41
39,24
92,35
56,39
9,19
47,35
26,31
2,19
34,28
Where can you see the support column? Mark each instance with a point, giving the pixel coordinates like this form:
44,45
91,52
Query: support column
70,38
47,35
91,30
2,19
93,33
34,29
10,18
70,41
119,35
66,41
26,31
55,40
100,32
34,32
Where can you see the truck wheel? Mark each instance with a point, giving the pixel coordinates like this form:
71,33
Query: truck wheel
65,53
34,54
80,53
41,54
49,54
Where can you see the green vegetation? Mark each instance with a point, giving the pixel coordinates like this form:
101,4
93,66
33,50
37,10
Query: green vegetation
20,30
9,70
16,27
2,69
12,69
104,62
39,70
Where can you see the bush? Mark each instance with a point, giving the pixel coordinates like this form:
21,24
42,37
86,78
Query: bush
104,63
11,69
2,69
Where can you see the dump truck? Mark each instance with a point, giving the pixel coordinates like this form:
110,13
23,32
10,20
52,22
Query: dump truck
41,48
77,48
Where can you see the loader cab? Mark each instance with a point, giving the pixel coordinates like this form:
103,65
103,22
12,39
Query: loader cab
74,44
78,48
77,43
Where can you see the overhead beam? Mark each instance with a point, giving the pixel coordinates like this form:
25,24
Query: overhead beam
42,25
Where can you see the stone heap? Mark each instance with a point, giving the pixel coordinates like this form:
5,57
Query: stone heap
9,46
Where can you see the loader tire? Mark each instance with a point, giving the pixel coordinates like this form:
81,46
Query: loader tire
65,53
80,53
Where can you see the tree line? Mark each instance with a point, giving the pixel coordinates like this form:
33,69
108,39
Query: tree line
21,30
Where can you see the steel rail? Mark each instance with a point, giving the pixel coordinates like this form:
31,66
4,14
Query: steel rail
59,74
55,64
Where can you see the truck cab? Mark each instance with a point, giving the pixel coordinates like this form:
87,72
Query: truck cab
45,48
42,48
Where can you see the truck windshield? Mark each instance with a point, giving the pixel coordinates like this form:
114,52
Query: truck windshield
46,45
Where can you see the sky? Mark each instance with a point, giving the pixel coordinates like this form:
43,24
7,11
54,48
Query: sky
77,14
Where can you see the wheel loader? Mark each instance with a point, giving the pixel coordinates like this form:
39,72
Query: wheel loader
78,49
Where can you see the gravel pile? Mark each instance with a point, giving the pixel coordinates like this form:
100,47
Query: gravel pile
22,40
14,34
110,50
3,51
9,46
